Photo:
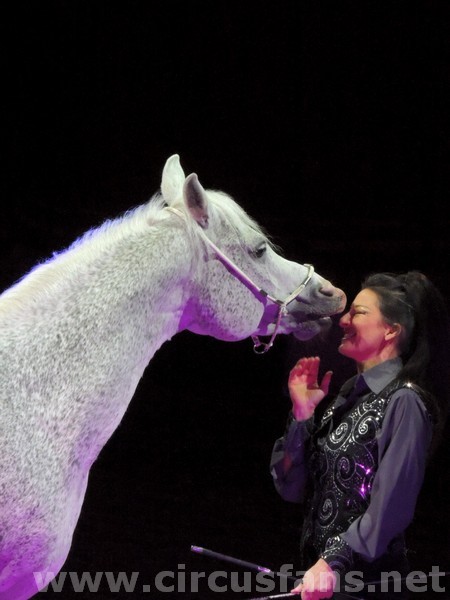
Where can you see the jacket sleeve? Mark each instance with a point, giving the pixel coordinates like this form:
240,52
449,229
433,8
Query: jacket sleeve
287,464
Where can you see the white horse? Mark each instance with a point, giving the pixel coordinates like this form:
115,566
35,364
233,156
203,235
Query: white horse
78,331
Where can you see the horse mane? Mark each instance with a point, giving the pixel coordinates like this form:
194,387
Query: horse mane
44,275
112,230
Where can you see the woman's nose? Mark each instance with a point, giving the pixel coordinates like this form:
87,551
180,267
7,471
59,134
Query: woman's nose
344,320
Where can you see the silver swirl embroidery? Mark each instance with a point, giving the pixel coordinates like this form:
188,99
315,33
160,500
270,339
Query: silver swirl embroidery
366,427
345,469
341,433
328,510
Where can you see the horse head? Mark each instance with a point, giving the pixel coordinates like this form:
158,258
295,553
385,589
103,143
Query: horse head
246,287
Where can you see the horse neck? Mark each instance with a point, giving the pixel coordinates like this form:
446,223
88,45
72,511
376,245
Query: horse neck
85,325
151,273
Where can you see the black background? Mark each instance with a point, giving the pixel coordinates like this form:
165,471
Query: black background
328,123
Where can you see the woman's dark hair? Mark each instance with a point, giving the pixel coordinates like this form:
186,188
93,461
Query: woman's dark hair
413,301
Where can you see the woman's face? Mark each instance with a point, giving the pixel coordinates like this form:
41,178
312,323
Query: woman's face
367,338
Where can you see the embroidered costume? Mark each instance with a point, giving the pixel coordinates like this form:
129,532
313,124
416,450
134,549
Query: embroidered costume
357,481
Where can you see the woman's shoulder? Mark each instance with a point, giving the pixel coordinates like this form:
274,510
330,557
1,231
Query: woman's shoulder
408,399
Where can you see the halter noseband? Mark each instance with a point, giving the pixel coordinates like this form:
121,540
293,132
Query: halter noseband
258,346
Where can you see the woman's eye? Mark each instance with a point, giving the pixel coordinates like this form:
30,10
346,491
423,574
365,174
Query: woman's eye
259,251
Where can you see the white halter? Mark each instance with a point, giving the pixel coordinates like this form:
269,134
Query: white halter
258,347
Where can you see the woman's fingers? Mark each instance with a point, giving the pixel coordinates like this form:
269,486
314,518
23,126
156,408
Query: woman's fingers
308,369
325,385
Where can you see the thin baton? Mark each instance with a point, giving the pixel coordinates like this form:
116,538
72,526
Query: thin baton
260,569
241,563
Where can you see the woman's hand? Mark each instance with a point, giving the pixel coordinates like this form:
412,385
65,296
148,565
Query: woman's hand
304,389
318,582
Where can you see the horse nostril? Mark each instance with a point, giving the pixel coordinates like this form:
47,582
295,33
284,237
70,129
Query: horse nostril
328,290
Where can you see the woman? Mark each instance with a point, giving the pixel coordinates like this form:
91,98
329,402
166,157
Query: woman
358,465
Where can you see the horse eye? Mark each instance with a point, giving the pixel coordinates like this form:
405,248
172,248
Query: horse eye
259,251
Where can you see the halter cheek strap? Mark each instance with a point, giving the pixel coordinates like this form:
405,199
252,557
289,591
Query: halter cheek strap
262,347
258,347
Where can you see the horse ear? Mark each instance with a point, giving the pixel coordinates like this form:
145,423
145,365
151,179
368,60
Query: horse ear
196,200
172,180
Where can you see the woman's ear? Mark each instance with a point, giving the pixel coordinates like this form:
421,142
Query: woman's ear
393,331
